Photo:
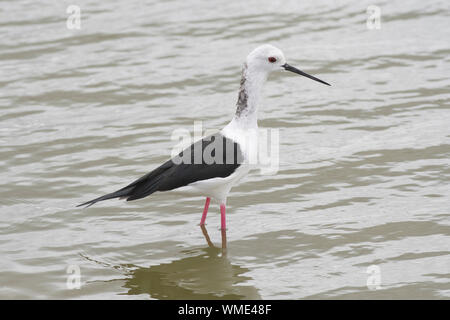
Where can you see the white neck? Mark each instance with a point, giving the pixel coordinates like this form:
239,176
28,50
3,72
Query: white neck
252,82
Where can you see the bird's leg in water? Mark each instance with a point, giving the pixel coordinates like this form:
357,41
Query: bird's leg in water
205,211
208,240
223,226
223,223
224,240
205,234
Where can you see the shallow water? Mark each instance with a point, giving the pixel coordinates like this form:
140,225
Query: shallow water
364,174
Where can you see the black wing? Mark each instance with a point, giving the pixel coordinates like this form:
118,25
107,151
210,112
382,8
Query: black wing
214,156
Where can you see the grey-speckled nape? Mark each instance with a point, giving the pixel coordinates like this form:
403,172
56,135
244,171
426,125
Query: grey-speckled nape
242,97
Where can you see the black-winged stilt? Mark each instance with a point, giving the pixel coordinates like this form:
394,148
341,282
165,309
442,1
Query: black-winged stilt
214,164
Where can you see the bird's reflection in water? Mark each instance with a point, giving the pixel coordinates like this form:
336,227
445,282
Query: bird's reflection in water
205,274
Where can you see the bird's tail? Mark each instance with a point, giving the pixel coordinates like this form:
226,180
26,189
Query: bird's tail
140,188
125,192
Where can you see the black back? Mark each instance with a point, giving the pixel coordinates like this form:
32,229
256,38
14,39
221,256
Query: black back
214,156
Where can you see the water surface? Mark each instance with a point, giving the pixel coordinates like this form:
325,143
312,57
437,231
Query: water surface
364,165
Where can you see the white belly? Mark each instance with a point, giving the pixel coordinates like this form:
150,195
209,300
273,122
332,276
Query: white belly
216,188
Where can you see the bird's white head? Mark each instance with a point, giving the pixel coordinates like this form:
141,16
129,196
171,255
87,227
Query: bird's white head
267,58
259,64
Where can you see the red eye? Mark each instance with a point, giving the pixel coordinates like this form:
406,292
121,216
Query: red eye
272,59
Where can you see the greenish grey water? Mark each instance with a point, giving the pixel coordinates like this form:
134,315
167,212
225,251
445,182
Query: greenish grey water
364,165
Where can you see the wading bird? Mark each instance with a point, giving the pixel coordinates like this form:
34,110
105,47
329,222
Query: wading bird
213,165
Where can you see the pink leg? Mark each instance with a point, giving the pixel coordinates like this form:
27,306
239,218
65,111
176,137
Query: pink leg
222,217
205,211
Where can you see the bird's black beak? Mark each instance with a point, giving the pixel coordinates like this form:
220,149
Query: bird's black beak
295,70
